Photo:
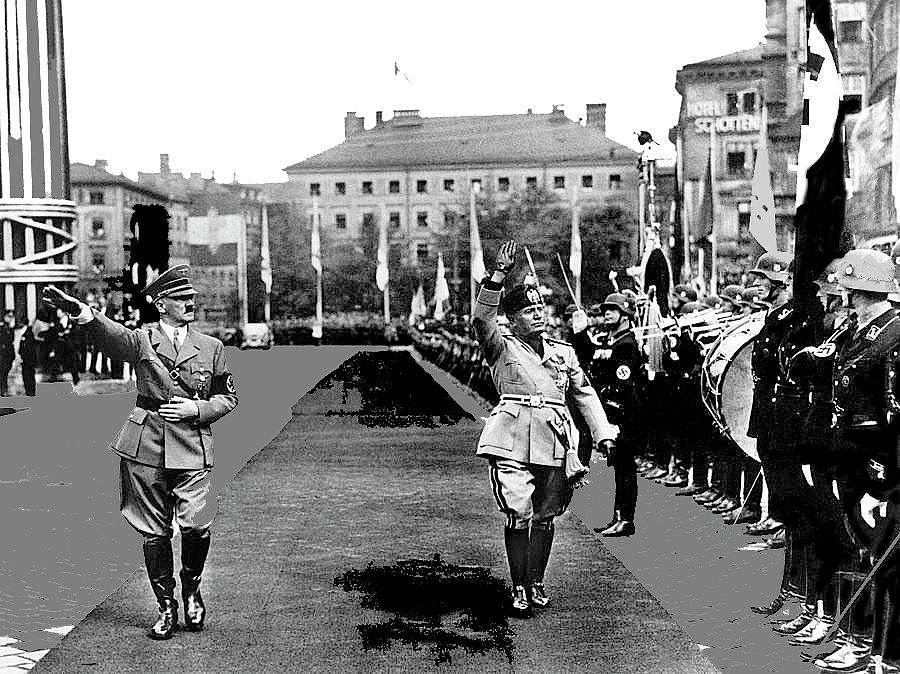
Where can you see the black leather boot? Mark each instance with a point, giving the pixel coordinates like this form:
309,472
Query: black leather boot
539,546
517,554
160,571
194,549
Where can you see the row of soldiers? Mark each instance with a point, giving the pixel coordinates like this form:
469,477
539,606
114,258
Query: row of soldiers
824,414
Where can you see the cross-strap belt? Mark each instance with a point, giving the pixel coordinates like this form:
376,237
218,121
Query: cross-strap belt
533,400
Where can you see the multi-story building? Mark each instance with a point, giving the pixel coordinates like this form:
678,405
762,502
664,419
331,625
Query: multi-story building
221,214
417,172
104,206
215,277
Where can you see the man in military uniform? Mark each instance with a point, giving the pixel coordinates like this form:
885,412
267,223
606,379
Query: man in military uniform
165,446
866,435
528,436
7,350
681,295
615,365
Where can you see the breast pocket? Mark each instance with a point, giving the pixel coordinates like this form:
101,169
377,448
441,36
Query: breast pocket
201,378
129,438
512,373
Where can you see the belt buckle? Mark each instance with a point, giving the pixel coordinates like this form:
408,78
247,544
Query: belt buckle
173,374
536,400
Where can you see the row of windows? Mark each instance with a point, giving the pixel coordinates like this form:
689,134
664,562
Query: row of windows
449,185
369,220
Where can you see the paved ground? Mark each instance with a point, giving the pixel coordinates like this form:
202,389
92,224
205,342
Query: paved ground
333,493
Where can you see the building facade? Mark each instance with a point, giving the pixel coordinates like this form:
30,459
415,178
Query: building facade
104,206
417,172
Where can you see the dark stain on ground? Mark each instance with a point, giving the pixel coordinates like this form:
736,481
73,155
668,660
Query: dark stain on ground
444,605
393,392
10,410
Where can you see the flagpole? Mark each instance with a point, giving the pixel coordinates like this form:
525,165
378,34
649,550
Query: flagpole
267,264
473,224
714,262
382,239
686,271
576,234
317,265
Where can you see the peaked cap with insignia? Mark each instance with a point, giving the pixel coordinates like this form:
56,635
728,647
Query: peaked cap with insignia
174,281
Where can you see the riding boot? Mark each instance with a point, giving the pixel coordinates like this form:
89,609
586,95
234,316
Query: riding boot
517,554
539,545
194,549
160,570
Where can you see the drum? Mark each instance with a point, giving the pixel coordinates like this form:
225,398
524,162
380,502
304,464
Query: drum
726,381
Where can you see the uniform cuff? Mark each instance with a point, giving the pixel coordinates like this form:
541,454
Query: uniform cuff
488,284
86,315
488,297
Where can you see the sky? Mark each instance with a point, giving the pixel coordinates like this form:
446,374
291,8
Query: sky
247,88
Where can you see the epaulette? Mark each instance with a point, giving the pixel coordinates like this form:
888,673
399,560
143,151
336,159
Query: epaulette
558,341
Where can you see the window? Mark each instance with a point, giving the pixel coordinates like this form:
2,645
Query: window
340,220
422,218
503,184
615,181
735,163
96,198
731,104
850,31
421,252
587,182
421,187
476,184
314,189
559,182
748,101
394,219
449,218
531,182
368,220
394,187
448,184
98,229
98,263
367,187
340,188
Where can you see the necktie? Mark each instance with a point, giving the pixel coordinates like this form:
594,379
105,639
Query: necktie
177,341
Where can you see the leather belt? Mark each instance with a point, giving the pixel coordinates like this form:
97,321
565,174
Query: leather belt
149,404
533,400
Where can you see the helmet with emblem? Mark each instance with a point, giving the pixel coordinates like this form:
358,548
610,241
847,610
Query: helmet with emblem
616,301
631,298
521,297
867,270
712,302
895,258
685,293
752,297
828,279
774,266
691,307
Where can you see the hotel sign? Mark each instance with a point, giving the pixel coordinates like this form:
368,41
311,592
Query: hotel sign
709,113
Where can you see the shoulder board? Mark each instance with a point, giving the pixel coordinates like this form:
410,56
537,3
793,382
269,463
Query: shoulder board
558,341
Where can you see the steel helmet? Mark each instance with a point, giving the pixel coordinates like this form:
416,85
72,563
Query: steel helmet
685,293
828,279
774,266
712,302
616,301
691,307
869,270
895,258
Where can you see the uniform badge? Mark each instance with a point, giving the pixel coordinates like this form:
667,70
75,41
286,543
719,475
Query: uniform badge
825,350
784,314
623,372
873,332
229,384
845,381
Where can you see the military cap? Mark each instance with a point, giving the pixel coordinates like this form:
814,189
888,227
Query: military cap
173,282
828,280
750,295
895,258
691,307
868,270
712,301
774,266
595,310
616,301
732,292
685,293
521,297
570,309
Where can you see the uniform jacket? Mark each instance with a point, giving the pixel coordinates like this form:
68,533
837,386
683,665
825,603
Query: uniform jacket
536,435
615,377
146,438
7,351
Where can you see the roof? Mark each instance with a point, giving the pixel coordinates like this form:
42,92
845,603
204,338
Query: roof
82,174
279,192
743,56
224,254
464,141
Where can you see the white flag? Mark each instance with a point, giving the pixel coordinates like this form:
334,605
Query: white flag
477,255
315,244
265,267
762,204
381,273
575,245
418,308
441,289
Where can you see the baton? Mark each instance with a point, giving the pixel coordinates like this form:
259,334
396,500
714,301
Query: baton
749,491
531,266
866,581
568,285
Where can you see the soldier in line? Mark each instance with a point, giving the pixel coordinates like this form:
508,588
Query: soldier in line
165,446
615,367
7,349
528,437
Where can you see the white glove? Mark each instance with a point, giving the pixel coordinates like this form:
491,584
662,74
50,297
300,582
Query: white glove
579,321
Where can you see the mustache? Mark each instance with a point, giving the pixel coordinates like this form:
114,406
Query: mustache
188,307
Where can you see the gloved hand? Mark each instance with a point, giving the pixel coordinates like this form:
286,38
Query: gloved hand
607,449
575,470
57,299
579,321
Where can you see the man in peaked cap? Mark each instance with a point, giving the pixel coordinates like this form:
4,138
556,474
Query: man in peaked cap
165,446
528,439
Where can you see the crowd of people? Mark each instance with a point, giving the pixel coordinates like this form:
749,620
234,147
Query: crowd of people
823,483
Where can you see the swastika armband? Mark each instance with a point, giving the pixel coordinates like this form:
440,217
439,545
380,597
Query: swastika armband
223,383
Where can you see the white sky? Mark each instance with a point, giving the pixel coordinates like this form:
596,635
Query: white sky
252,86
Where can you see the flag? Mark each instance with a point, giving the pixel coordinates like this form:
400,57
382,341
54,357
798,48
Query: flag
821,190
265,266
315,244
703,221
398,73
417,308
441,289
895,166
381,273
575,244
762,204
476,253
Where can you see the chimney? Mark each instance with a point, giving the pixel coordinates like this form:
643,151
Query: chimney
164,164
378,118
596,117
100,164
353,125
